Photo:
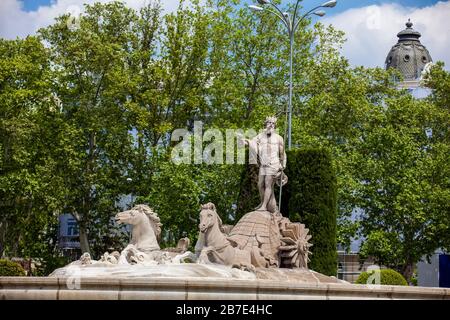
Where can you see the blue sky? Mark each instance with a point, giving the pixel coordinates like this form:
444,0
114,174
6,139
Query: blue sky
370,26
348,4
344,5
32,5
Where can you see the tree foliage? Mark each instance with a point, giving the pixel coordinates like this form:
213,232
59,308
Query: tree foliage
29,192
401,186
89,117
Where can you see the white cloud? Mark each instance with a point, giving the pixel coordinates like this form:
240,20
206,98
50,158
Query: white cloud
16,22
372,31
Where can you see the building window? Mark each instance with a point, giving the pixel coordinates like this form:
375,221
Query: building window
72,228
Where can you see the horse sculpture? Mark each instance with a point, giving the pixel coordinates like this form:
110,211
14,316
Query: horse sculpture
146,228
213,246
143,248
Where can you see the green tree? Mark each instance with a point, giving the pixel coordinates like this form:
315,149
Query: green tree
439,81
89,66
402,190
28,188
166,75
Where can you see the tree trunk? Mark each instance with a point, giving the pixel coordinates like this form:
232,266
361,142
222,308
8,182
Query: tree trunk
407,272
84,240
83,234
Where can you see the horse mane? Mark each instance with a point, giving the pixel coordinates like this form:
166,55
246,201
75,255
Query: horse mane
152,217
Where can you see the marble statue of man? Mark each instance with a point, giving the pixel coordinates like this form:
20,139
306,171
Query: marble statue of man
268,150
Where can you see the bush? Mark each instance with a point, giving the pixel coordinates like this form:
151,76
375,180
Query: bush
387,277
248,198
49,263
310,197
11,269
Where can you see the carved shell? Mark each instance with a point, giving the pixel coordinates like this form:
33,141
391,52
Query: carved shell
294,253
257,229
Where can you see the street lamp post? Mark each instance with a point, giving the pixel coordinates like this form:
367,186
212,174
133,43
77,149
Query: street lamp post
291,23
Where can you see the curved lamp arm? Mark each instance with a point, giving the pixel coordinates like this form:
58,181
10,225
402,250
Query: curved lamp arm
328,4
281,16
304,16
287,23
277,13
295,13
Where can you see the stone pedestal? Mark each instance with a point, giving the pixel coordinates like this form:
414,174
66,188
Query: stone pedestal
194,282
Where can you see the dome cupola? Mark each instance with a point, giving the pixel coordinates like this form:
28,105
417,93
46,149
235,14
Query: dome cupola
408,56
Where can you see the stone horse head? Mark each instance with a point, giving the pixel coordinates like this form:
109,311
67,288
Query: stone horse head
209,217
146,227
211,234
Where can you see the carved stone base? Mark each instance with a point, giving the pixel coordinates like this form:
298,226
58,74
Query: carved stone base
195,288
192,270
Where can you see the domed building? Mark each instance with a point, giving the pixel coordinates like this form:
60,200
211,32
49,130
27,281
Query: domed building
409,56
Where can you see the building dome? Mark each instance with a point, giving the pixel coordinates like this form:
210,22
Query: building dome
408,56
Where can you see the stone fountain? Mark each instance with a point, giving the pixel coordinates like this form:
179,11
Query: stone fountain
264,256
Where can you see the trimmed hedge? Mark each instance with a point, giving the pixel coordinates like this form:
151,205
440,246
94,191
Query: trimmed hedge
387,277
11,269
310,197
248,197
